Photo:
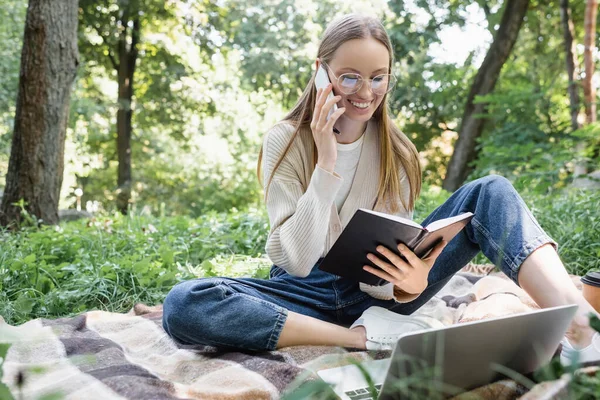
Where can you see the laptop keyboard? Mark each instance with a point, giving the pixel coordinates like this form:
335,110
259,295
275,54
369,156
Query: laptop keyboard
363,393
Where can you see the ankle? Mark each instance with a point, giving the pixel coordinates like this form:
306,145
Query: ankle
361,337
580,333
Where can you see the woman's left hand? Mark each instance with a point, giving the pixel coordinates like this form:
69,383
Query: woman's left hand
411,276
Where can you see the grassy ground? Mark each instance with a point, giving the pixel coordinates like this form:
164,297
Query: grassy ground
113,262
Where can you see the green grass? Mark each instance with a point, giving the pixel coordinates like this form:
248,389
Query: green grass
573,220
113,262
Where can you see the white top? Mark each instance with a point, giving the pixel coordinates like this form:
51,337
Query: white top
345,166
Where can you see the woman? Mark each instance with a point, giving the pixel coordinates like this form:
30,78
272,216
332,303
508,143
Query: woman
316,179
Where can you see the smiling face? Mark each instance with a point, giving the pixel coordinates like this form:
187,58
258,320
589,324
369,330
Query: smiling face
367,57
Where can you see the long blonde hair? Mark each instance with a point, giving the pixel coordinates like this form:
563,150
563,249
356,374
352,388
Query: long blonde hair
394,145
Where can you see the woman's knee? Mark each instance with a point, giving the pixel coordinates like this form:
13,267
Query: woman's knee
176,297
185,305
495,183
492,190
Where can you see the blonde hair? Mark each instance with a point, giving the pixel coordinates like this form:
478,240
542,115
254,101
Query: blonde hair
395,146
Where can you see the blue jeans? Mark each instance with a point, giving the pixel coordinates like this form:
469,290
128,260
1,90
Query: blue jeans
250,313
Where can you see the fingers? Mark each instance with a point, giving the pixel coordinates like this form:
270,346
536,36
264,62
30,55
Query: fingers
321,109
380,274
325,111
437,250
393,271
409,255
321,98
316,111
334,117
394,258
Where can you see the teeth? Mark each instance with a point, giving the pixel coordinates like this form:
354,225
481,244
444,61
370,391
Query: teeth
360,105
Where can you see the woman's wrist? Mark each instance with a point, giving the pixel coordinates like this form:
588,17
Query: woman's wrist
400,292
327,165
404,297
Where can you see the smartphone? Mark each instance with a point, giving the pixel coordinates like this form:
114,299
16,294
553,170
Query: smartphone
321,82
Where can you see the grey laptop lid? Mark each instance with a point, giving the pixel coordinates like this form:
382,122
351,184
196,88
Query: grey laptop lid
472,354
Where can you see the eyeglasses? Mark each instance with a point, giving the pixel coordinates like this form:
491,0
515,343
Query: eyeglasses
350,83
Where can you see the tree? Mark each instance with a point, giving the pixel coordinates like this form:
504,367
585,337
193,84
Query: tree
572,67
119,29
49,61
589,89
472,124
127,50
572,64
134,43
430,93
528,136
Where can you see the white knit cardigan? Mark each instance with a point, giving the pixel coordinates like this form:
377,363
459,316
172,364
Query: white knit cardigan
304,221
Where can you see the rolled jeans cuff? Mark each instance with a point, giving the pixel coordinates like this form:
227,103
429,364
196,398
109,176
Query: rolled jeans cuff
529,247
277,328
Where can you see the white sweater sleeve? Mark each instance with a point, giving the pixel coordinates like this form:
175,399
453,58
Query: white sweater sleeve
299,221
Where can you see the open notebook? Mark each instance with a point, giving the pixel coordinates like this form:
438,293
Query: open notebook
367,229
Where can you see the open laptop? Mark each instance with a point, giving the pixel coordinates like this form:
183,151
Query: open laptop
440,362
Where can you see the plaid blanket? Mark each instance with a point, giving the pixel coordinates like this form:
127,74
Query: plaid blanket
103,355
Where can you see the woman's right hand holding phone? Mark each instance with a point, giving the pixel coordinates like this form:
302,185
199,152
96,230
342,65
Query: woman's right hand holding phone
322,129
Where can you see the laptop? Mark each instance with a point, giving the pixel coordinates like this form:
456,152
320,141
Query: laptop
442,362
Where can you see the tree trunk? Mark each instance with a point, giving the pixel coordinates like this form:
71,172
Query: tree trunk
589,90
572,64
48,68
485,80
125,73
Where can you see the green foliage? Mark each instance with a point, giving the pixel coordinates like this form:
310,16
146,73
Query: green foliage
533,154
573,220
589,136
429,99
228,70
255,28
167,88
4,390
594,322
585,387
12,16
113,263
431,197
167,185
528,134
27,219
